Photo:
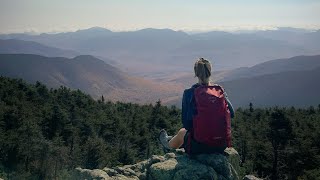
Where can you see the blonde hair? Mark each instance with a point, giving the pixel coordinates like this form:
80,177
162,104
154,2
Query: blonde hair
202,70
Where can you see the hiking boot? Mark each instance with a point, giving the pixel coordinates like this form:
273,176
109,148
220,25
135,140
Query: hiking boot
164,139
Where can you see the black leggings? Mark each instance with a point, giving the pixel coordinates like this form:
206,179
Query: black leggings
200,148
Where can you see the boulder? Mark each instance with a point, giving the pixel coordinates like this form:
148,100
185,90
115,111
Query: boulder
204,166
96,174
251,177
176,166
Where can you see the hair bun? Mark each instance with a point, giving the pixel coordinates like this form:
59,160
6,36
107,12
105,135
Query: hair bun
202,69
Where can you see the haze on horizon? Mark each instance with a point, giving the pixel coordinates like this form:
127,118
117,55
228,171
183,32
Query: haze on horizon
187,15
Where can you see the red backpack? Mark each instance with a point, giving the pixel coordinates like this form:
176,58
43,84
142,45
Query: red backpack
211,124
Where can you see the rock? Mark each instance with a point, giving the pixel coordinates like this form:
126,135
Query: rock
110,172
251,177
194,170
234,159
125,171
123,177
155,159
204,166
91,174
163,170
176,166
226,165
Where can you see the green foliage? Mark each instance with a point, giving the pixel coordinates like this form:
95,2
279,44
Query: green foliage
46,133
278,143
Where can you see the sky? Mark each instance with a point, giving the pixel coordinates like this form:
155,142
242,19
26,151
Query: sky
126,15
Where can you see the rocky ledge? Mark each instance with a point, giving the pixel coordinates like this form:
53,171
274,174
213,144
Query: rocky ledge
176,165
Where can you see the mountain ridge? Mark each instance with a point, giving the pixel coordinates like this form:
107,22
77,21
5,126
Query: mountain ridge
15,46
297,63
156,48
257,84
291,88
86,73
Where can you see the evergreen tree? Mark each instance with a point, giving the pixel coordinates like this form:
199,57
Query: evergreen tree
251,107
279,134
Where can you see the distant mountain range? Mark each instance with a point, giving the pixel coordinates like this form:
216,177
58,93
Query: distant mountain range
295,88
149,51
298,63
86,73
282,82
15,46
166,58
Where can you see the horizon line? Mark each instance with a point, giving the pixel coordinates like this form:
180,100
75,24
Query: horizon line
231,29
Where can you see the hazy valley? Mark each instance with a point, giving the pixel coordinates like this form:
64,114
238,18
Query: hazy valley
86,73
150,64
149,51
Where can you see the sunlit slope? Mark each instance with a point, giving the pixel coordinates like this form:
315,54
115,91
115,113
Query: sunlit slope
86,73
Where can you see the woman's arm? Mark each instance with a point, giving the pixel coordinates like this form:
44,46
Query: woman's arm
230,107
187,109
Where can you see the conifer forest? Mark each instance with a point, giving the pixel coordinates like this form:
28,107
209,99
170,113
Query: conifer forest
46,133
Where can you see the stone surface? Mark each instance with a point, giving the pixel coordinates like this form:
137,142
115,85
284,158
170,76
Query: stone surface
176,166
251,177
163,170
96,174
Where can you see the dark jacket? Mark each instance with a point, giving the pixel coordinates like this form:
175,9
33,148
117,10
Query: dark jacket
189,107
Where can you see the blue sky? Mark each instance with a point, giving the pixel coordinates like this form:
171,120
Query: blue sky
120,15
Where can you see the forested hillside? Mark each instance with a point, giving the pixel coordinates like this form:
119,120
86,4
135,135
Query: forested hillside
46,133
278,143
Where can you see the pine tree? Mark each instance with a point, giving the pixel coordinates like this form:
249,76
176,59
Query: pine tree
279,134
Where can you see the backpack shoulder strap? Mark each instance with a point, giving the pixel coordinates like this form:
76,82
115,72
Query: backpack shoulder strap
219,86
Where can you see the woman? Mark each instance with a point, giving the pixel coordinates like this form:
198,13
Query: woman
202,69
